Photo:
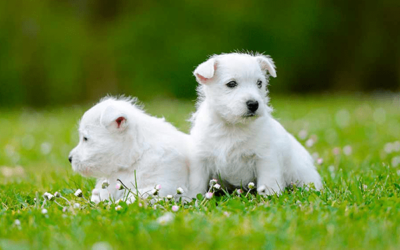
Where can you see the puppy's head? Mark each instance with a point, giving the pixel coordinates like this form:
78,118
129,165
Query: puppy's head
235,85
104,139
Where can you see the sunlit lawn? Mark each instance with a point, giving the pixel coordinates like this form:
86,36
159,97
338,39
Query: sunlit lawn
357,139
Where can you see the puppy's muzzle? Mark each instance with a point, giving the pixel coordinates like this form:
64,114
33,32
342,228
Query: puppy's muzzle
252,106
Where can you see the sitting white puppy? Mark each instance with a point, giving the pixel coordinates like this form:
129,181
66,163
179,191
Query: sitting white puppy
117,138
235,137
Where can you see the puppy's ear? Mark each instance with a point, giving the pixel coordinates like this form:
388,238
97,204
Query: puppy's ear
267,64
113,119
205,71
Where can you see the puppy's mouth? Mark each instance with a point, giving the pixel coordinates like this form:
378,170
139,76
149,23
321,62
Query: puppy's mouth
85,172
82,170
250,114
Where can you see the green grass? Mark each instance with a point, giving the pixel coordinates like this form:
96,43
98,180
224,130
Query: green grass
358,209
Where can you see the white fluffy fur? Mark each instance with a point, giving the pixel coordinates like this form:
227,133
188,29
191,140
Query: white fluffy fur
238,147
154,148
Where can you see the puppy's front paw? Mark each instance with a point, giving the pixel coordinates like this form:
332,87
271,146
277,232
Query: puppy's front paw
267,191
95,198
128,199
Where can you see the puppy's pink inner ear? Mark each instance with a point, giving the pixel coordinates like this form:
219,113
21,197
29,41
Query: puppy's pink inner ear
119,121
202,78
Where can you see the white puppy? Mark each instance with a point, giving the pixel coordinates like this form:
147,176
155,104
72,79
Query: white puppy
234,134
117,138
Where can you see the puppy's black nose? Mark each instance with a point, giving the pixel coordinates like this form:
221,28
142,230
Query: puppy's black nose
70,159
252,105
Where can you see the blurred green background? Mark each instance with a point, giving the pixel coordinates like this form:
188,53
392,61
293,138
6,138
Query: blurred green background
75,51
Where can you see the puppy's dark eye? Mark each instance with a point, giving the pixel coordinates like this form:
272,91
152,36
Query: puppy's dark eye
231,84
85,138
259,84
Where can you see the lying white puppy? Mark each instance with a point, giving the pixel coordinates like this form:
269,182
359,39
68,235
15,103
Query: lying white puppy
234,134
117,138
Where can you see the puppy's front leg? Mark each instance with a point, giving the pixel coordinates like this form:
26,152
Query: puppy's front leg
100,194
198,179
269,177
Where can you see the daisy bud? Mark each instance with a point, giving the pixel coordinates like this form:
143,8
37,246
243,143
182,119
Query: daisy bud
175,208
315,155
217,186
96,192
239,191
48,196
118,208
77,205
336,151
154,192
250,185
169,197
213,181
179,190
78,193
17,222
209,195
119,186
44,211
320,161
64,209
105,184
347,150
303,134
158,187
309,143
57,194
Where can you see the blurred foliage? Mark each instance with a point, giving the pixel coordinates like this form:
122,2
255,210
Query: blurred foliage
73,51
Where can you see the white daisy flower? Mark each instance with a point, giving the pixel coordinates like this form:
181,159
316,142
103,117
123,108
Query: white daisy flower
154,192
213,181
251,185
105,184
78,193
119,186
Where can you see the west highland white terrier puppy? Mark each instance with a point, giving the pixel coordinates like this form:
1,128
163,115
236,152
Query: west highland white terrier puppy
117,138
235,137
